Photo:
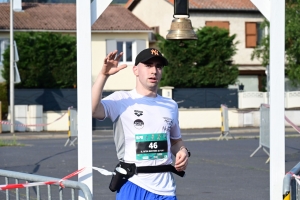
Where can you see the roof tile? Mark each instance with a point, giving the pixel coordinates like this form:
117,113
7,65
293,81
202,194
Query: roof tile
36,16
117,17
222,4
213,4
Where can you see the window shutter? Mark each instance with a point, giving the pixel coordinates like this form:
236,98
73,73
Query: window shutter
140,46
219,24
111,45
251,34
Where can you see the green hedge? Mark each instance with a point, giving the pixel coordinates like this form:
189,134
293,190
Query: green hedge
46,60
4,100
202,63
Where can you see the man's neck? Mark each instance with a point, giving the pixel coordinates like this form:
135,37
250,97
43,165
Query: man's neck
147,93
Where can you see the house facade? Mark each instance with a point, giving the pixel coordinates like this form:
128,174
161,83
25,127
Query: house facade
239,17
130,28
117,28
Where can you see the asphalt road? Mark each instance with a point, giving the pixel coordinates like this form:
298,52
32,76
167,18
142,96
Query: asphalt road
217,169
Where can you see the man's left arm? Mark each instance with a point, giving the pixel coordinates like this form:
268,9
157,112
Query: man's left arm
181,154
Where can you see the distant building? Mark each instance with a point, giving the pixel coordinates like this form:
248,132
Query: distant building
239,17
60,1
116,28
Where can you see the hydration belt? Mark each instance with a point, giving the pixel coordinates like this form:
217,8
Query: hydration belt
119,179
132,169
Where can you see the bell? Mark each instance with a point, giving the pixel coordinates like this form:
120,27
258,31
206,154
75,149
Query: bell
181,29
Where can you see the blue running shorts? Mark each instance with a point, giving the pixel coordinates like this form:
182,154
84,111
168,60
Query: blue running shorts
130,191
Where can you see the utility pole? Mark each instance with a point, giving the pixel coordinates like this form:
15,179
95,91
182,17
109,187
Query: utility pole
11,85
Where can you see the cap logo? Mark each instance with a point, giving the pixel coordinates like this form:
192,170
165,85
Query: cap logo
154,52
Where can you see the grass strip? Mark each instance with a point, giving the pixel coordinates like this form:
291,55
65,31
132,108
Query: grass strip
13,142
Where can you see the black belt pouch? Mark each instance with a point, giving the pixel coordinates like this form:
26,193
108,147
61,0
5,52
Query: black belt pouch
118,179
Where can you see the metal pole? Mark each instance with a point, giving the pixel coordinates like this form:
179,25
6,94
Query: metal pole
12,96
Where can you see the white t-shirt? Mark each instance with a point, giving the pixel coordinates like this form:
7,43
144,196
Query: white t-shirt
143,127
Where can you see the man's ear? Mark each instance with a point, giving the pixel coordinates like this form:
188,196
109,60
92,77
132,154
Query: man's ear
135,70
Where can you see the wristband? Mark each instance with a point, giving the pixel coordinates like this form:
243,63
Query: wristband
183,147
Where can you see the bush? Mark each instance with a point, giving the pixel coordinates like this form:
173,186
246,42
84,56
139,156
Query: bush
4,100
46,60
205,62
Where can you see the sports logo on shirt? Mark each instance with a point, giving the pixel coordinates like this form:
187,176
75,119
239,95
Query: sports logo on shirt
139,124
138,113
168,125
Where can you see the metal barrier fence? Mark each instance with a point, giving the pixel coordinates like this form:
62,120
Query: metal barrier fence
291,189
73,130
39,192
264,130
205,97
224,123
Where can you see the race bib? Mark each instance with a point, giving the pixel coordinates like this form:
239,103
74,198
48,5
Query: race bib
151,146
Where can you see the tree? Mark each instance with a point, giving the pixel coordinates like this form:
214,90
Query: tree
292,42
46,60
205,62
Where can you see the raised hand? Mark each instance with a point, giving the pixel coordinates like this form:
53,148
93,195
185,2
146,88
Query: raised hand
111,62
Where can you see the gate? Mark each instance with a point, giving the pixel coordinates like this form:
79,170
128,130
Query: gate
224,123
39,192
264,130
73,130
291,187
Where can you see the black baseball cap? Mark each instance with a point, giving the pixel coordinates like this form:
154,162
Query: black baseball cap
149,53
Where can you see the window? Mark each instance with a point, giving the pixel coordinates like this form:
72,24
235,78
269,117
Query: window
126,48
260,33
4,43
254,34
219,24
129,48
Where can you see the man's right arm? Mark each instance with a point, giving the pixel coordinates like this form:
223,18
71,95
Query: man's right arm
110,67
97,89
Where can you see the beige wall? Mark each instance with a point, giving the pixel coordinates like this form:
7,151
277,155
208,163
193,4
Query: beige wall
155,13
188,119
50,118
123,80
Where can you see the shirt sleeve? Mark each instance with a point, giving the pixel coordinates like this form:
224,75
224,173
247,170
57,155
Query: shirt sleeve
175,129
110,104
